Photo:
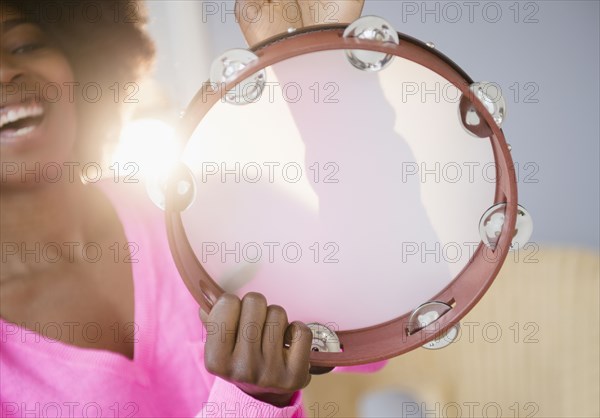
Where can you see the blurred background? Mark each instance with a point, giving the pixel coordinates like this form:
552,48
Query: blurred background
531,347
543,54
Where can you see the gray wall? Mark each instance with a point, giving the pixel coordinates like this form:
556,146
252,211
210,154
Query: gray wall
548,53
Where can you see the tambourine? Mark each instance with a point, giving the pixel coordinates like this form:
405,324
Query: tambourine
353,175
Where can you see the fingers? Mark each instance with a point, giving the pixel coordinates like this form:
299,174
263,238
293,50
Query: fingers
275,325
297,355
251,323
246,344
300,339
221,339
225,315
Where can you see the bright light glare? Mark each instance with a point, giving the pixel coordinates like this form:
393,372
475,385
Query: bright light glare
149,144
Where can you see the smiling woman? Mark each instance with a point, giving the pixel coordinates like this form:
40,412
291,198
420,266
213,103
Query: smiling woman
93,49
29,61
45,125
94,319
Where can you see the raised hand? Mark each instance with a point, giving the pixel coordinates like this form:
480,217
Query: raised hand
261,19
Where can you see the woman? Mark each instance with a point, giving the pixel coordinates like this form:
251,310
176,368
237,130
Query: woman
94,319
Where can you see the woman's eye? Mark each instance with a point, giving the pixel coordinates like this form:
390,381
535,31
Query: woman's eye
27,48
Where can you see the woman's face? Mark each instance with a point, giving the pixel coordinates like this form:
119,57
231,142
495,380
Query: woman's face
37,104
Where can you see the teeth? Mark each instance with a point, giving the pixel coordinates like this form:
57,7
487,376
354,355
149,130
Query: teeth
14,113
14,136
24,131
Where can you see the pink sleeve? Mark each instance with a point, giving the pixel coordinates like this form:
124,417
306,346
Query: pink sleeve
227,400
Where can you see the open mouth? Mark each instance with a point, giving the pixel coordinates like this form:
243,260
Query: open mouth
19,120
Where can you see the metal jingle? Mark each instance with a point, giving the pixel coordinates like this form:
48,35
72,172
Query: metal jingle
492,221
425,315
324,339
228,66
471,120
375,29
185,188
491,96
443,340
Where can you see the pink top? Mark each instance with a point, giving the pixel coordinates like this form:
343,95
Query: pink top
40,376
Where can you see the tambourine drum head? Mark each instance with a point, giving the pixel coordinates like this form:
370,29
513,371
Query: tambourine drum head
347,197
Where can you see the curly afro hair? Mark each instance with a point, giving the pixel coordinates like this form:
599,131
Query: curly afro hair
106,44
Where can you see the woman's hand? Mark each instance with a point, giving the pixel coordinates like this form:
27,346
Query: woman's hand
253,346
261,19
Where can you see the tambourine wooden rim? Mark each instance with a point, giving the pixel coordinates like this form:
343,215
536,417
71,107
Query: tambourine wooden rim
391,338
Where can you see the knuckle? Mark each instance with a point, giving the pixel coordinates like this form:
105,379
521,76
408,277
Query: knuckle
214,365
276,312
224,304
301,331
244,374
254,297
228,298
212,368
